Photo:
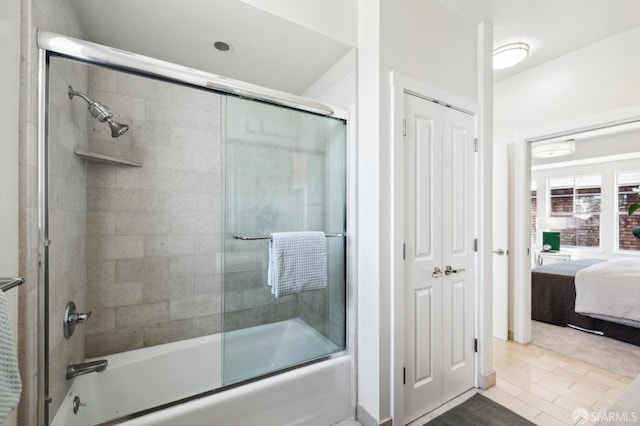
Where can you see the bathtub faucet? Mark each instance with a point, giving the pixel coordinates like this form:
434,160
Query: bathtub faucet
74,370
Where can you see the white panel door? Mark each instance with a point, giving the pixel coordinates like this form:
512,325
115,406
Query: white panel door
458,175
439,308
423,254
500,241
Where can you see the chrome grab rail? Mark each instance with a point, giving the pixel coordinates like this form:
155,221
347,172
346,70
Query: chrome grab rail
268,237
9,283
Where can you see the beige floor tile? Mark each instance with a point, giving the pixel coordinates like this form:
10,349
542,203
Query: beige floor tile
543,419
538,361
609,380
532,373
547,407
539,391
626,380
577,397
508,387
547,388
501,374
583,380
594,368
600,406
594,393
576,368
550,376
517,406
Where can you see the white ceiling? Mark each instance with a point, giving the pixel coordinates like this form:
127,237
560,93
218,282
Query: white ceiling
552,28
267,47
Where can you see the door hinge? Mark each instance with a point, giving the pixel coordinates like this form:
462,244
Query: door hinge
404,376
475,244
475,145
475,345
404,251
404,127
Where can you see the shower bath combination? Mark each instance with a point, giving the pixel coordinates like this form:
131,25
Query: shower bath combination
101,113
172,296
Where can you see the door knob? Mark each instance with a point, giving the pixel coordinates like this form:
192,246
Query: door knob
448,270
500,252
437,273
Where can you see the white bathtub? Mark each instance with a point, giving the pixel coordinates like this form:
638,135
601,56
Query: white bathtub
318,394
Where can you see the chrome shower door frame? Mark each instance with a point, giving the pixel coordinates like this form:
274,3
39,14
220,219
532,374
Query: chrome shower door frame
55,45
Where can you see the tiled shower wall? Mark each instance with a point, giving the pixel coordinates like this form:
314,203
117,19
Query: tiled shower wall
274,181
154,245
67,209
58,16
326,312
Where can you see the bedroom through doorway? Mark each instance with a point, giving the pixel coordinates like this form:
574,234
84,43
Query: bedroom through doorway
584,257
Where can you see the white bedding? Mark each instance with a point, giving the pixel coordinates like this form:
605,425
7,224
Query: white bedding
610,291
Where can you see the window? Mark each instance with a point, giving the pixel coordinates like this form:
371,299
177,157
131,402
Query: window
534,210
627,184
576,202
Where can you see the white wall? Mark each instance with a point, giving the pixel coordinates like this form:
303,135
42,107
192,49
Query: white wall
596,79
9,86
426,41
368,225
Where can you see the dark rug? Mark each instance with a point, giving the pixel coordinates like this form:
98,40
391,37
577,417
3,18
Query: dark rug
479,410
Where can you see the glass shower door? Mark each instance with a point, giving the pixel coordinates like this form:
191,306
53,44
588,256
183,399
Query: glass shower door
284,172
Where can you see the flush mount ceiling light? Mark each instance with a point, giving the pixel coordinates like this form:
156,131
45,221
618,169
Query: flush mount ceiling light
222,46
509,55
553,149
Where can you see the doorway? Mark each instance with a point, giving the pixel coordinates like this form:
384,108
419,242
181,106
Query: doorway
523,250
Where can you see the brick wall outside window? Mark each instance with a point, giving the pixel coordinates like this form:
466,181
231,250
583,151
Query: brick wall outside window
626,223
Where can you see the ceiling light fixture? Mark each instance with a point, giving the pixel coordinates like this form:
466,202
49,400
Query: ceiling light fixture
553,149
509,55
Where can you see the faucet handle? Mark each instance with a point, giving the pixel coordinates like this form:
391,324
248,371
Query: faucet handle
72,318
79,318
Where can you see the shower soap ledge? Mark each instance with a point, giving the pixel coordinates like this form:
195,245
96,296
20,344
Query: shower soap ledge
99,158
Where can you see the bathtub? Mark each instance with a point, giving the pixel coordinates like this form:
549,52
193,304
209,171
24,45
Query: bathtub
316,394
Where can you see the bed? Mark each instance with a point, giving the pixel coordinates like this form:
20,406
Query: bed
553,296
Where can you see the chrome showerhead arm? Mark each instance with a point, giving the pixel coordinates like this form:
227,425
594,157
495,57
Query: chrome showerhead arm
101,113
73,93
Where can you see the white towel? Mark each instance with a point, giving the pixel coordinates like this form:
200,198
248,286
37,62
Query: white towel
10,385
297,262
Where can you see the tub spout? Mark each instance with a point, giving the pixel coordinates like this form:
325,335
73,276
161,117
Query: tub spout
74,370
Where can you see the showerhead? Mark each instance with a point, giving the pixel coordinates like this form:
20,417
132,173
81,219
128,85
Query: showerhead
117,129
101,113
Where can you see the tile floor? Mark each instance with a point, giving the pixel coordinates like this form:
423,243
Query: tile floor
543,386
547,388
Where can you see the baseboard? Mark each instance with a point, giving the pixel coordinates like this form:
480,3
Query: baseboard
367,419
487,380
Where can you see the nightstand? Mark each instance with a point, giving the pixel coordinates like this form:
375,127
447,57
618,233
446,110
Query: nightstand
559,256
